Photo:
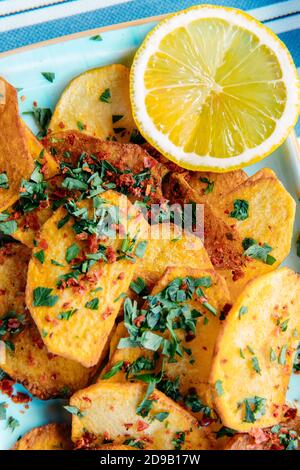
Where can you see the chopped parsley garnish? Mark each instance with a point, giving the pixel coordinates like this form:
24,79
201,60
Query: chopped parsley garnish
166,310
4,181
56,263
241,208
209,185
140,364
193,402
141,249
105,97
255,408
42,117
33,191
114,370
219,387
284,325
97,37
67,314
42,297
80,126
272,355
179,440
40,255
134,443
63,221
242,311
3,411
12,423
9,227
145,406
116,118
72,252
50,76
138,286
160,416
282,355
170,388
258,252
225,432
93,304
75,411
255,365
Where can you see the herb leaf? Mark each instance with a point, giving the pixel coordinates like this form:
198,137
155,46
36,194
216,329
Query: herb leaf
42,297
50,76
105,97
113,371
93,304
241,208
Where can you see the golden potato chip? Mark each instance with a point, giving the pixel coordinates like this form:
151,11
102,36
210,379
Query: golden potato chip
79,272
190,369
262,212
170,246
49,437
222,242
39,153
133,171
117,447
97,103
14,259
29,222
116,411
208,187
255,350
43,374
15,160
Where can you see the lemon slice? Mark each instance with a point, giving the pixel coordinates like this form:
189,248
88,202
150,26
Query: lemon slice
212,88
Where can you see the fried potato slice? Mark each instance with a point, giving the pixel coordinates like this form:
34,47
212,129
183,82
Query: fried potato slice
114,447
222,242
255,350
134,171
43,374
208,187
15,160
97,102
28,224
14,259
270,221
39,153
86,303
280,437
109,410
54,436
192,370
170,246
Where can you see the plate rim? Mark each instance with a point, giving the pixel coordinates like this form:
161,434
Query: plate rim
82,34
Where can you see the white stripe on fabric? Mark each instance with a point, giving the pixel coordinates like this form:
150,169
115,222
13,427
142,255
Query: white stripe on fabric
276,10
54,12
283,25
8,7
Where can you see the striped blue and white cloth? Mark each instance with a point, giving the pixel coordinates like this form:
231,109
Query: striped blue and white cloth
24,22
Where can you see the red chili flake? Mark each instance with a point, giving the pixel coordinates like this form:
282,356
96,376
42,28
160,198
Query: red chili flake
139,320
23,98
110,254
21,398
128,426
6,387
2,291
61,125
43,244
149,162
107,313
92,243
141,425
291,413
121,276
35,104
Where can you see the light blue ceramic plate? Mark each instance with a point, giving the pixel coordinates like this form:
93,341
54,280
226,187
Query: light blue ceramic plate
68,59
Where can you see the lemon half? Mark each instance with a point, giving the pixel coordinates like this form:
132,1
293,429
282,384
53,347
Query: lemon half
212,88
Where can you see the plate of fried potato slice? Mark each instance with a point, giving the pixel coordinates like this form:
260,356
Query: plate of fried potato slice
143,305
